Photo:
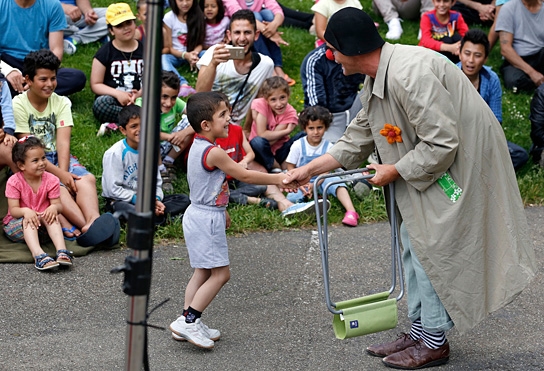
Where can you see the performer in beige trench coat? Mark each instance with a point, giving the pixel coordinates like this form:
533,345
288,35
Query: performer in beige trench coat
466,248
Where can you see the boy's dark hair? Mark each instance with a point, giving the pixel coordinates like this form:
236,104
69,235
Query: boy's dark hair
202,106
246,15
476,36
220,9
170,79
22,146
274,83
43,58
196,24
129,112
315,113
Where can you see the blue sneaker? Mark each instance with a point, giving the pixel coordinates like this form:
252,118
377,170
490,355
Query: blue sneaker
306,207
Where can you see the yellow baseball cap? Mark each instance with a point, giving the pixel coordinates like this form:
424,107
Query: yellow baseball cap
118,13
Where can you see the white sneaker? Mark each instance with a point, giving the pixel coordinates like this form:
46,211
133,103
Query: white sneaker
210,333
306,207
69,47
191,332
395,29
177,337
102,130
106,128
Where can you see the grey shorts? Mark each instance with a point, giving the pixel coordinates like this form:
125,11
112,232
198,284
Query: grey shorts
205,236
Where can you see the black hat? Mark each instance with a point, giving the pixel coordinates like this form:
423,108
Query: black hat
352,32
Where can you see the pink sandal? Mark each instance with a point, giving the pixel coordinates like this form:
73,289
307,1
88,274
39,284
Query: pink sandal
350,218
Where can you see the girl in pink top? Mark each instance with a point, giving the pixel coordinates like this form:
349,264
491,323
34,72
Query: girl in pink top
34,204
216,23
273,120
269,17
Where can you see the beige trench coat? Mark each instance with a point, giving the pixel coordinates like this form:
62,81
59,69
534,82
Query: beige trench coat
476,251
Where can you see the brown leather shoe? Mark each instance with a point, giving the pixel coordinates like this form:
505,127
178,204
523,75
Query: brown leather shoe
381,350
418,356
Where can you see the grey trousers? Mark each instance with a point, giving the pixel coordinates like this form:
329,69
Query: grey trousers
409,9
84,33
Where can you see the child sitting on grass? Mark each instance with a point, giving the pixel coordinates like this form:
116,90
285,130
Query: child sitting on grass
442,29
41,112
116,72
141,15
120,173
206,218
273,120
184,30
34,204
315,121
171,137
270,197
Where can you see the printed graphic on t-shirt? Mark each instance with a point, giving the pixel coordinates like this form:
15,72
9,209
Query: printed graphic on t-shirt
182,38
44,128
127,74
130,177
222,198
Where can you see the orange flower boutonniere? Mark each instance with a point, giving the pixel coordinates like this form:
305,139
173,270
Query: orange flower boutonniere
392,133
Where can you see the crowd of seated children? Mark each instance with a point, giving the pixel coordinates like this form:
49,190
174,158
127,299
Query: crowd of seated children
272,144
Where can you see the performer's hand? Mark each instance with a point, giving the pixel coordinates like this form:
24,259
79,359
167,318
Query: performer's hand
295,179
384,174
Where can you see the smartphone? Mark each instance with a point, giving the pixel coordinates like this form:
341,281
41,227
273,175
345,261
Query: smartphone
236,52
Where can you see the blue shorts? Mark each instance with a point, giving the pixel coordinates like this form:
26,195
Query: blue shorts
75,167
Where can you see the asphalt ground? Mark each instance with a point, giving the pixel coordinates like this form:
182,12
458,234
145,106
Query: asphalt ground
272,313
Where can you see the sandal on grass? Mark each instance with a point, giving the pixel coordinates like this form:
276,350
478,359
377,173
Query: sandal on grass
64,257
268,203
289,80
69,230
45,262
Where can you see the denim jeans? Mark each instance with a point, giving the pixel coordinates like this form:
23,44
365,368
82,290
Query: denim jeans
264,15
331,191
171,63
423,302
263,151
263,45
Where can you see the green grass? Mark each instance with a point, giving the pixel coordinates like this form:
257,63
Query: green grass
89,149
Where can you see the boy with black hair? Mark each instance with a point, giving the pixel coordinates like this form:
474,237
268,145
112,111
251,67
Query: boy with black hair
41,112
206,218
120,173
473,54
